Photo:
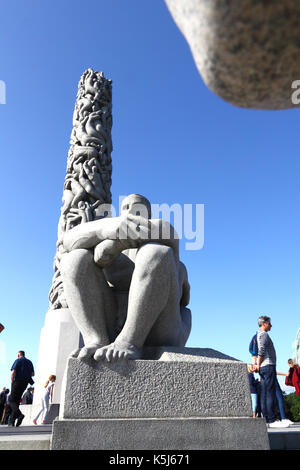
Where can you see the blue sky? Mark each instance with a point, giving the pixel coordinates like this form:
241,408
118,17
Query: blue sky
174,141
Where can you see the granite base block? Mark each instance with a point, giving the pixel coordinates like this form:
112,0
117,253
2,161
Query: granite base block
172,398
160,434
187,382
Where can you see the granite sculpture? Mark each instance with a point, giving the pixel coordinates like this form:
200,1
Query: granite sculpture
133,384
88,178
125,285
86,196
246,51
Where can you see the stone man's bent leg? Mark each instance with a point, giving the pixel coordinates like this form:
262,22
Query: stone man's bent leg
153,315
90,300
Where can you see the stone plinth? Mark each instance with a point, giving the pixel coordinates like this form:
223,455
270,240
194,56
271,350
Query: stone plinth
178,399
59,337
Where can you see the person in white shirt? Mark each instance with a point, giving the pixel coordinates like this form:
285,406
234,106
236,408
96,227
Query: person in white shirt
46,400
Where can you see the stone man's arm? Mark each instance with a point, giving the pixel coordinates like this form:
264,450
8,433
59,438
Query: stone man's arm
111,236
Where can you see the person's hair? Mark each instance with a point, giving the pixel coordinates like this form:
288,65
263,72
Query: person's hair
22,353
263,319
292,363
51,379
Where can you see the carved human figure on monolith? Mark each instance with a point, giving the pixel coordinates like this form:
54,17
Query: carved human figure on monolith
125,285
88,179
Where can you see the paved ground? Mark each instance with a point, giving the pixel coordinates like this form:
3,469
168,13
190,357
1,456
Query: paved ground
286,438
38,437
25,437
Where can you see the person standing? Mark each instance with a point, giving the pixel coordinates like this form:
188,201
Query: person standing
46,399
265,364
7,410
293,377
253,390
3,397
22,373
27,398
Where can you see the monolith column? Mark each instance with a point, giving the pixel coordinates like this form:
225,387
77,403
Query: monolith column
86,196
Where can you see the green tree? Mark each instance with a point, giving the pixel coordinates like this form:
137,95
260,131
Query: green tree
292,406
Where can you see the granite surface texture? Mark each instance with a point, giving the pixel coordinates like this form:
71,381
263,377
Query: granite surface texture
247,52
192,383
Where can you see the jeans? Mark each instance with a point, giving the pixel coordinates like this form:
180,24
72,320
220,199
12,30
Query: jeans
279,397
254,402
268,381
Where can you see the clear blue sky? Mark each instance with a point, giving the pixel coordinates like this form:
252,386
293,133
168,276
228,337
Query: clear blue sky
174,141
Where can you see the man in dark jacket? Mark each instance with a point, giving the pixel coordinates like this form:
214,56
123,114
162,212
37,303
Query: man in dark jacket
22,372
27,398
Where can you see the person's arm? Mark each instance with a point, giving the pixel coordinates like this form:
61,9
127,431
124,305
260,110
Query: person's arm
261,344
258,362
13,373
51,392
282,373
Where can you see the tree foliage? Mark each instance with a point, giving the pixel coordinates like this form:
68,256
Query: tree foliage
292,406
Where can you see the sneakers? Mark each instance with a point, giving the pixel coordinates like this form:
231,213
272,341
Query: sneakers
278,424
287,421
44,422
19,420
34,421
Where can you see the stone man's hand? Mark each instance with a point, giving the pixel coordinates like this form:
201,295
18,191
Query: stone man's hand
106,251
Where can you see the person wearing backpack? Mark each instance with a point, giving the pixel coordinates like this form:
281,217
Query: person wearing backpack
253,349
265,364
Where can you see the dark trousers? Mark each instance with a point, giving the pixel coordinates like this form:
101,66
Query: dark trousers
280,401
6,414
18,387
268,380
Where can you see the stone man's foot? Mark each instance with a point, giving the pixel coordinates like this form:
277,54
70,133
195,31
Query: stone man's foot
86,352
117,351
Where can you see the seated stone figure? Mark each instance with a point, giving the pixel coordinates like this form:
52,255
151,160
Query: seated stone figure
125,285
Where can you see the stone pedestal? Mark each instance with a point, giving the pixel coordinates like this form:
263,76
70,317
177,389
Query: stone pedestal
59,337
172,399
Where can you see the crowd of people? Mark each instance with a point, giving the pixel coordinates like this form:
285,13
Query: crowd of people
265,391
22,372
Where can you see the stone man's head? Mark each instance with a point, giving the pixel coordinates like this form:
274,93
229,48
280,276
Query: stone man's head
136,204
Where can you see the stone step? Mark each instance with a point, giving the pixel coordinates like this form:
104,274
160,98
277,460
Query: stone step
25,437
